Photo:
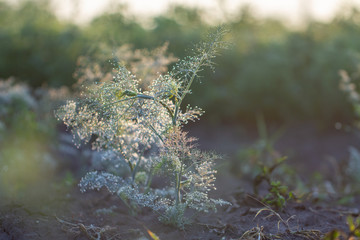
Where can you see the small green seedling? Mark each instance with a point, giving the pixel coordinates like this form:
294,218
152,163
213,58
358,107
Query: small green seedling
278,195
266,173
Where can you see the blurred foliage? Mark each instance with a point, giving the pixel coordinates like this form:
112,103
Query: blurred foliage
290,76
286,74
26,134
35,46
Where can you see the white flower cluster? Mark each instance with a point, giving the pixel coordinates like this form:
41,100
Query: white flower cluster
349,87
123,188
353,168
201,202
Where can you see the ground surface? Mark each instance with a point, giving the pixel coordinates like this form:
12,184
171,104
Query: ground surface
55,211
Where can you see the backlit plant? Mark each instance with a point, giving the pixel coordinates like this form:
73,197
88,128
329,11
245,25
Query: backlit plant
142,128
348,85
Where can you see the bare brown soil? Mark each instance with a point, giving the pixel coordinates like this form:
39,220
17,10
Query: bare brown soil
54,211
77,216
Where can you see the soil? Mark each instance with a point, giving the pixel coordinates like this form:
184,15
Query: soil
54,210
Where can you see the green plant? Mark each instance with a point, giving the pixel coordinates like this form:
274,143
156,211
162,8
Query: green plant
261,158
264,164
266,173
354,226
143,129
353,234
278,195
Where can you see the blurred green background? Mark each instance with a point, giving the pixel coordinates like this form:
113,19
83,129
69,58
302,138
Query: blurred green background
287,74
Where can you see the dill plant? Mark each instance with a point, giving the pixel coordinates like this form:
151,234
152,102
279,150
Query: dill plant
143,129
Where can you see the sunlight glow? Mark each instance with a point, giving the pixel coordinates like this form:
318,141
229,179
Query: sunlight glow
292,11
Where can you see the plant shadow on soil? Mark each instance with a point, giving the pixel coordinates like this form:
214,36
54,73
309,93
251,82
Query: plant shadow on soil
58,211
